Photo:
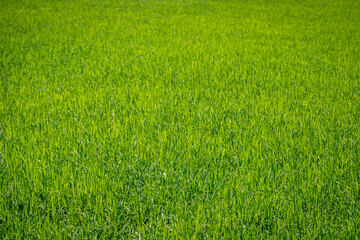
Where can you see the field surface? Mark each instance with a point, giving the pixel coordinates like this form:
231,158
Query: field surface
180,119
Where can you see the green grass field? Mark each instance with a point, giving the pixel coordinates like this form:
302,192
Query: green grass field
180,119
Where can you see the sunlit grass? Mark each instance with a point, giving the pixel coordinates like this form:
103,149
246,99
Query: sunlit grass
179,119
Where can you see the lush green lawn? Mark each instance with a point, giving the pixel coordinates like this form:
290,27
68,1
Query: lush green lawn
180,119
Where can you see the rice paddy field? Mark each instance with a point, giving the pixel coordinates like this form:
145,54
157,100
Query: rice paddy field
233,119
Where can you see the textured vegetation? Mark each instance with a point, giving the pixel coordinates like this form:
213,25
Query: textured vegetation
179,119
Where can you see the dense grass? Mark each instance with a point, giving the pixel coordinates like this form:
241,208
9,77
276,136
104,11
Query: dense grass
179,119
